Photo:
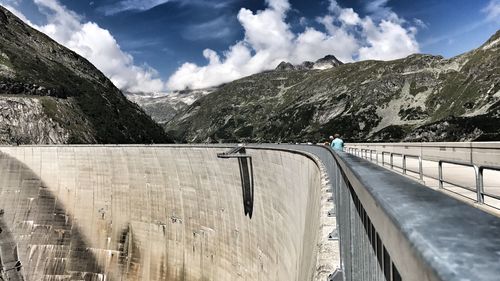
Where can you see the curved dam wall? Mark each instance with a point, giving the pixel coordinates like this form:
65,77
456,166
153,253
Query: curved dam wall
158,213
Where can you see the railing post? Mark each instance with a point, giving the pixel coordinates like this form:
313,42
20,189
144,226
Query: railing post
440,174
420,168
383,160
376,156
479,184
404,164
392,160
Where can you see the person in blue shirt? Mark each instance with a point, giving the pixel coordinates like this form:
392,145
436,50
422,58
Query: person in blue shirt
337,143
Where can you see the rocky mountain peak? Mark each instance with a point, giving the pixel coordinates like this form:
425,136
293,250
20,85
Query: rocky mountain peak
326,62
285,66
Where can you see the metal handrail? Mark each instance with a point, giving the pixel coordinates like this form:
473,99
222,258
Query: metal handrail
365,151
420,167
383,153
481,179
392,160
376,155
479,192
478,170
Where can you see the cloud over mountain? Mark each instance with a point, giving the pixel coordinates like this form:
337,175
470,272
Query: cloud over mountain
269,40
97,45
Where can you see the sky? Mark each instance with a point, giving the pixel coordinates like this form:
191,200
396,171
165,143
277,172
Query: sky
164,45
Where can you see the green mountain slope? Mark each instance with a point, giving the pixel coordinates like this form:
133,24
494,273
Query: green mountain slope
49,94
420,97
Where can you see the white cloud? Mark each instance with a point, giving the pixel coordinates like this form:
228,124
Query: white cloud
217,28
145,5
348,16
387,40
420,23
378,9
97,45
132,5
493,11
269,40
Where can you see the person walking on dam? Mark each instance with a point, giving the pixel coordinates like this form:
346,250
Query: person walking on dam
337,143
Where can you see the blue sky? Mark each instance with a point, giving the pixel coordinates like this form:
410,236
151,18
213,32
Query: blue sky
196,43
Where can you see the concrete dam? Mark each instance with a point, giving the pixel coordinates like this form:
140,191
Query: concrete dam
182,212
161,213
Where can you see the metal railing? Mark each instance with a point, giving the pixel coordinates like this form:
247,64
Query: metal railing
478,188
403,156
374,227
441,180
363,251
420,167
479,179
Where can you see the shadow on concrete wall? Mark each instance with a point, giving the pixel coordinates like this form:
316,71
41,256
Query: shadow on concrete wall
37,230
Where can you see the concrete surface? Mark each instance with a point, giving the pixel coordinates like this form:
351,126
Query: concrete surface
161,213
428,235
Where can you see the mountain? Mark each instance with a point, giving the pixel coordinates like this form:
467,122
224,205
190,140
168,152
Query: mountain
327,62
163,107
49,94
417,98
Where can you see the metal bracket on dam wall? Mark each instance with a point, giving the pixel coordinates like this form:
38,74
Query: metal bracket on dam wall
246,173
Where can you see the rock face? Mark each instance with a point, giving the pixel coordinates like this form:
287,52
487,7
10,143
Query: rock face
23,120
327,62
420,97
49,94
